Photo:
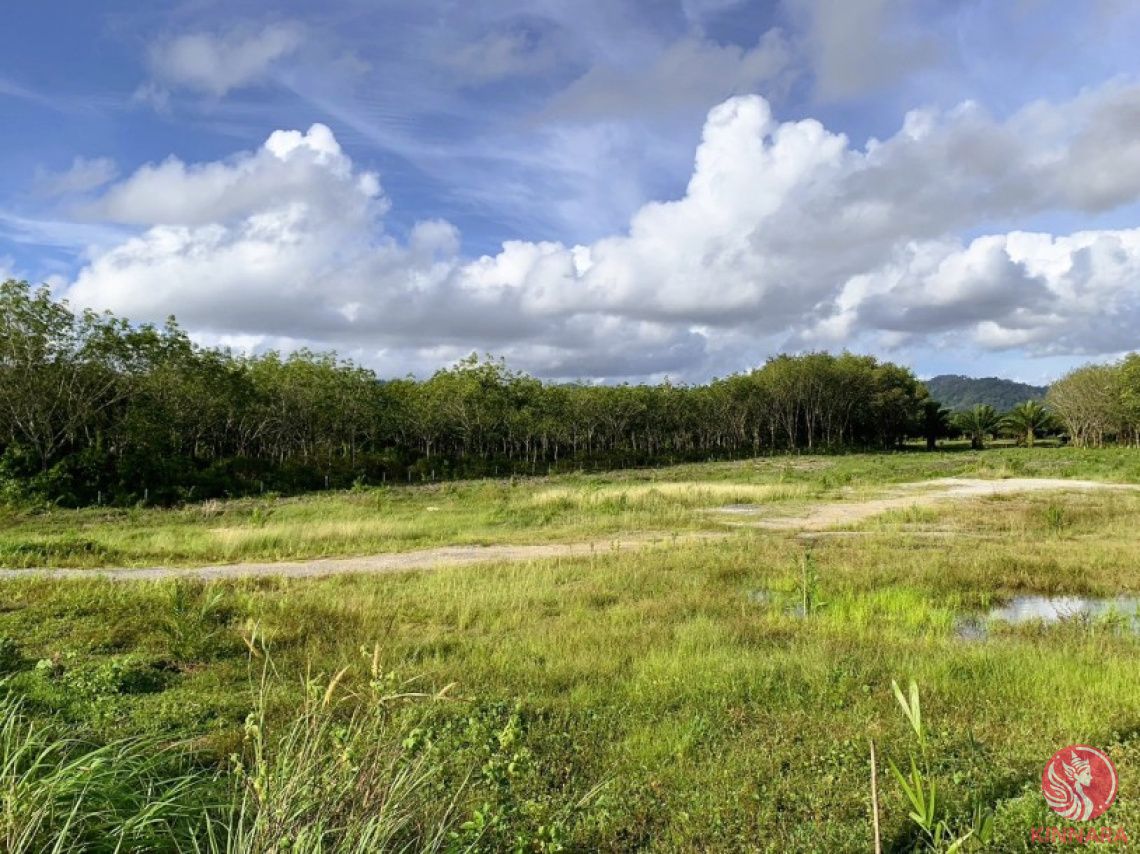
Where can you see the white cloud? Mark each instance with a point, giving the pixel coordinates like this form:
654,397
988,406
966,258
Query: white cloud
84,175
785,234
214,64
1078,293
309,168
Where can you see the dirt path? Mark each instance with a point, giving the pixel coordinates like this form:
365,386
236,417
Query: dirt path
922,494
394,562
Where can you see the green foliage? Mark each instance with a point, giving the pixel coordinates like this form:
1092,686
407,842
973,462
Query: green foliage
1055,519
810,601
979,423
1096,404
960,393
934,423
193,621
96,411
128,674
328,782
1026,420
62,795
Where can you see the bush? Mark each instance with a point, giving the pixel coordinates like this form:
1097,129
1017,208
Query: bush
127,674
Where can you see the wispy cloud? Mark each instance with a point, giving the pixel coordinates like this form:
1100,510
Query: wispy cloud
215,63
11,89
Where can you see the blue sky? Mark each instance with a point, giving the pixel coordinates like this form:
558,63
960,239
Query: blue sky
615,190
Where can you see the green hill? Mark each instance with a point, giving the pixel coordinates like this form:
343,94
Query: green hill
958,392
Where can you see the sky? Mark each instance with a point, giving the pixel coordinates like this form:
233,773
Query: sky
609,190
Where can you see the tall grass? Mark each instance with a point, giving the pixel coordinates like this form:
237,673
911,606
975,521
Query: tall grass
329,784
324,780
58,794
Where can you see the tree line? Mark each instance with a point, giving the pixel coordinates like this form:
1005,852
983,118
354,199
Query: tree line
1099,404
94,409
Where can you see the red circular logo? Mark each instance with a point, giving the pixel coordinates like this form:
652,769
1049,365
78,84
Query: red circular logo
1079,782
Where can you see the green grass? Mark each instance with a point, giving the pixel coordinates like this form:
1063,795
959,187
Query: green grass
669,699
556,509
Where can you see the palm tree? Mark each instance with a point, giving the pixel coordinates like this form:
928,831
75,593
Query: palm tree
1026,419
935,422
978,423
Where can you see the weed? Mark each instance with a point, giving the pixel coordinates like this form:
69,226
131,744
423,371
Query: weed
920,789
1055,519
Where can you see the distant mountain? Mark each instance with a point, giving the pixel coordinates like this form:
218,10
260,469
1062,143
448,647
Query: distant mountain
957,392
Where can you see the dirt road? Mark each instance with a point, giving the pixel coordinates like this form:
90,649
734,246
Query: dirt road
394,562
922,494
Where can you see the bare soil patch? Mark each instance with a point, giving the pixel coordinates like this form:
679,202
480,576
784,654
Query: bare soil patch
922,494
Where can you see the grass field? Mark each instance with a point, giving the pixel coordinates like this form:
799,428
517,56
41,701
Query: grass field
566,508
699,696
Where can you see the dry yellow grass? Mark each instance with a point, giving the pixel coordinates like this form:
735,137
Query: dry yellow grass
679,493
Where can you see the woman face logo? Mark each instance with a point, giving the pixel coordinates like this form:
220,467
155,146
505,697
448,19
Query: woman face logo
1079,782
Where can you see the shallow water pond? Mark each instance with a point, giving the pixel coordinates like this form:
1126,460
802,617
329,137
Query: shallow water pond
1051,610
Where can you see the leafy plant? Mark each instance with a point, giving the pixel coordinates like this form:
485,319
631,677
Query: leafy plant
127,674
921,790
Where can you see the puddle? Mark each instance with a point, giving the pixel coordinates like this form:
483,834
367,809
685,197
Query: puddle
788,603
737,509
1051,610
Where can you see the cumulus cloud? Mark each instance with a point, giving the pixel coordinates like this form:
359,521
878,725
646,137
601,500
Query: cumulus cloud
1077,293
787,235
307,168
213,63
